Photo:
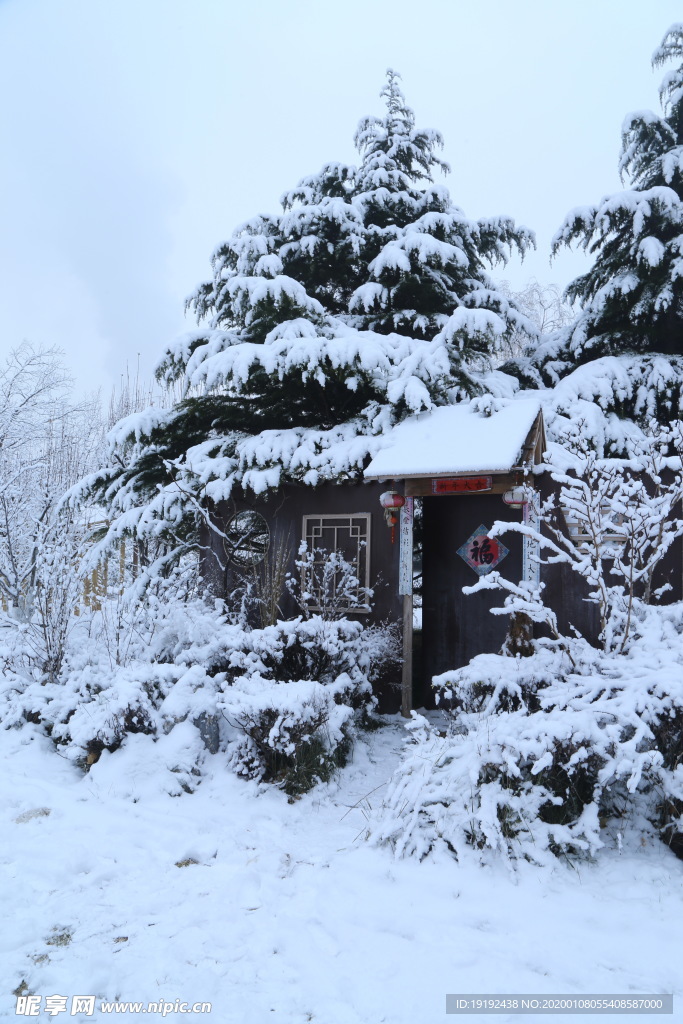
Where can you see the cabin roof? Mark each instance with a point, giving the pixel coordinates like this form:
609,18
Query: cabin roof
457,439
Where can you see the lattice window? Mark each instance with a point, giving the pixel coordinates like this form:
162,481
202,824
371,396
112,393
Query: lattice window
344,535
577,525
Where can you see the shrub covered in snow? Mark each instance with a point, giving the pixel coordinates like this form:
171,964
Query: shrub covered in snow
282,701
296,732
538,757
296,689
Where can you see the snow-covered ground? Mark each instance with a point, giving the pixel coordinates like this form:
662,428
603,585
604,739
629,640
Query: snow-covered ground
287,915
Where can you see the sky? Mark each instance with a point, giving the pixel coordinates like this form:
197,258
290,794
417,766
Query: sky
138,134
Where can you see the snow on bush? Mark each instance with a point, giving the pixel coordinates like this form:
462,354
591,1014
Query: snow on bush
297,732
539,758
282,700
296,690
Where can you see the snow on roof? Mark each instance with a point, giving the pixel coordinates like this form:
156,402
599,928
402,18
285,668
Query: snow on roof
456,439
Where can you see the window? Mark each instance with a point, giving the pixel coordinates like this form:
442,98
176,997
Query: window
248,538
342,579
613,541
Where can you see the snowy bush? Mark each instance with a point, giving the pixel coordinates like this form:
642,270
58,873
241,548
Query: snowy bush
328,582
539,758
282,701
297,732
294,692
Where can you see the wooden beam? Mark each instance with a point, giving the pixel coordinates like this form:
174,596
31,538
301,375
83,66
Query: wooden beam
407,677
422,486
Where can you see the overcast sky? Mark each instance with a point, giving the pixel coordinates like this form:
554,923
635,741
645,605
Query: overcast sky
138,133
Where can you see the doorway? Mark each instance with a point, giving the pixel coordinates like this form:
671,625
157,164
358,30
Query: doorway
455,626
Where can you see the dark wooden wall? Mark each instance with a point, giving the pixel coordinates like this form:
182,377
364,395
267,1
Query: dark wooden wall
283,510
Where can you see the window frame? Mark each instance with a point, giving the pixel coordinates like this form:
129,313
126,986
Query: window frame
366,539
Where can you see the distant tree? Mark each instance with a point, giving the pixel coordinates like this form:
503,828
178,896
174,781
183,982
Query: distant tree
47,442
545,306
366,299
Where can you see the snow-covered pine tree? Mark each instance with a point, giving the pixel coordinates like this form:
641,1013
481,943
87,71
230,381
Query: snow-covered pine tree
423,261
633,294
624,351
365,300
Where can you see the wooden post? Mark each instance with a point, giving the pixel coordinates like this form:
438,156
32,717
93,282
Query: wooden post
405,587
407,678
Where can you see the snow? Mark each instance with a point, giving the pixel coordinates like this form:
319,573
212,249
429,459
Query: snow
652,250
582,402
643,207
456,439
286,915
424,246
250,291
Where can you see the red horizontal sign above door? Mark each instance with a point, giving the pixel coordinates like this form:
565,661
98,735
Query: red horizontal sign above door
462,485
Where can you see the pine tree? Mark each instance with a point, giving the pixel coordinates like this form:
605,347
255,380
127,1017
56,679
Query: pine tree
619,364
422,258
366,299
633,294
376,249
617,367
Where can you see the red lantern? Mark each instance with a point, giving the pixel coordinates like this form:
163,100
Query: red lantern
391,502
515,498
392,499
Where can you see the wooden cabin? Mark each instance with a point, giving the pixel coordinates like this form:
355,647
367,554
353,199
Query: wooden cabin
455,471
464,469
454,466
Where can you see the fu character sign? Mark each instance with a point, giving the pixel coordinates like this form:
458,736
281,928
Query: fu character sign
481,552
